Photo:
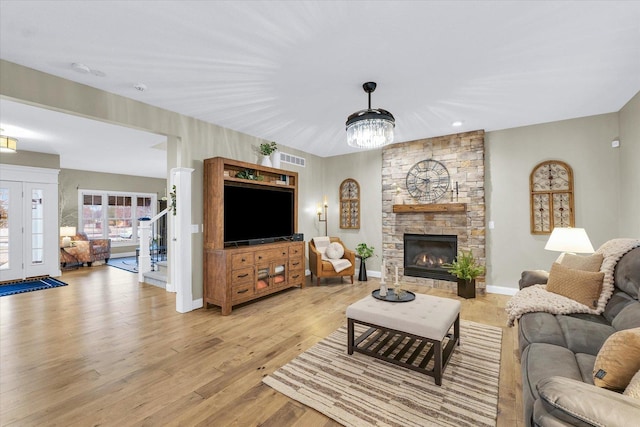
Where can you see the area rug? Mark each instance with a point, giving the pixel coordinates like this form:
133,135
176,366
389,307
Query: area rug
359,390
127,263
30,285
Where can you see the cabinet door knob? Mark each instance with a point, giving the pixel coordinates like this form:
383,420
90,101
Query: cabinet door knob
243,275
296,263
243,260
243,291
296,276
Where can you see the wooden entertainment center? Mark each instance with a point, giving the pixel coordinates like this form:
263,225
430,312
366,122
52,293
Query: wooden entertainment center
237,273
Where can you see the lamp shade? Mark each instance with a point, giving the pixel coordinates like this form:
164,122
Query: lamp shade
569,240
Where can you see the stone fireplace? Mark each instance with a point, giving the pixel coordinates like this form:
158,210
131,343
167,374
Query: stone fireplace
424,255
459,213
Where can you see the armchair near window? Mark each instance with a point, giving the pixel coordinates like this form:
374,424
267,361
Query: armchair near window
89,251
320,268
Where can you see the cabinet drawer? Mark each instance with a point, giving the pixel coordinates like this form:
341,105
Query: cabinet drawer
271,254
243,259
296,277
296,250
242,275
296,264
242,292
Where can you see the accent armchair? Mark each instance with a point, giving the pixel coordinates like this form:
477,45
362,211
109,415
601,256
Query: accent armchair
89,251
320,268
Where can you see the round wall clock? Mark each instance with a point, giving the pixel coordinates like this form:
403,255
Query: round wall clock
428,180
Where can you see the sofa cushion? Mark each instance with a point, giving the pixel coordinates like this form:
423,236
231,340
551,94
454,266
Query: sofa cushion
626,273
539,327
628,318
618,360
585,364
618,301
546,360
585,263
582,286
633,389
583,336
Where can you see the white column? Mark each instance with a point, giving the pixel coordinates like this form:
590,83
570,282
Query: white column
144,256
181,265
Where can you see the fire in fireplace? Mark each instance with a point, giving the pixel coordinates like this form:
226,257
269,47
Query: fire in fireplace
424,255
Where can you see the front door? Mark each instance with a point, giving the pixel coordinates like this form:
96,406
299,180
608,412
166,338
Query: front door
29,242
11,250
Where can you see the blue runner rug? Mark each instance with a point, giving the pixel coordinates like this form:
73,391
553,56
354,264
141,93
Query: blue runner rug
30,285
127,263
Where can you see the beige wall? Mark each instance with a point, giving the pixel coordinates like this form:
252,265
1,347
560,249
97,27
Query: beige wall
366,168
585,144
29,158
604,177
629,152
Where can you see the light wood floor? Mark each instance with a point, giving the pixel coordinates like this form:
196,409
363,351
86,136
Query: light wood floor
106,350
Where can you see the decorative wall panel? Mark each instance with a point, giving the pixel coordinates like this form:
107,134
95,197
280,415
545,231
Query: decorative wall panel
551,188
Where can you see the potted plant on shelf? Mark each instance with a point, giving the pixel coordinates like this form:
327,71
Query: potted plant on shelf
466,269
363,252
265,150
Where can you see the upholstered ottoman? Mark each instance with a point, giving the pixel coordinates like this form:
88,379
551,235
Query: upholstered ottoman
408,334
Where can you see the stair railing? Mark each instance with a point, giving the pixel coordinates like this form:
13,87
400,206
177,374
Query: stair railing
145,227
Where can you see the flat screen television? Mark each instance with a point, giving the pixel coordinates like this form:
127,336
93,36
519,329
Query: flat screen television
257,213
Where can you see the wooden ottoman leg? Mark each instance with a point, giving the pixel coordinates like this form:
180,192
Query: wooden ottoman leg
437,362
350,336
456,329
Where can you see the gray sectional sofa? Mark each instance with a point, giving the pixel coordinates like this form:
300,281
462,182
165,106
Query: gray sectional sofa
558,353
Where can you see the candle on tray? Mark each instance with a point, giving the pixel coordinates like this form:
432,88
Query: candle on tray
382,272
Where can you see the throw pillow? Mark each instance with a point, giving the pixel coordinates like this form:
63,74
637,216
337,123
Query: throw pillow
584,263
582,286
633,389
334,251
618,361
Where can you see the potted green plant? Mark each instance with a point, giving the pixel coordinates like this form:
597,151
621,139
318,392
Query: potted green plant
265,150
466,269
364,252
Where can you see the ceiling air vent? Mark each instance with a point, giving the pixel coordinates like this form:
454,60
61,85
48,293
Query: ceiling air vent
291,159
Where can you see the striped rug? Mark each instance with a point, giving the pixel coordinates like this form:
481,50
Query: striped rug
359,390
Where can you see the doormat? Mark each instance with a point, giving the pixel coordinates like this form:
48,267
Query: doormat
126,263
30,285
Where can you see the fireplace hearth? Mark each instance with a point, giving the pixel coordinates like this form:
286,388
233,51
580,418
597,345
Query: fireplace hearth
424,255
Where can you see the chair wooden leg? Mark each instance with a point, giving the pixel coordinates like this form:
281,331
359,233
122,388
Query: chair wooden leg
318,281
352,279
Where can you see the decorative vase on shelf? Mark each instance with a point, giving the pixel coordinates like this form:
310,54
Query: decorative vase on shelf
265,161
275,159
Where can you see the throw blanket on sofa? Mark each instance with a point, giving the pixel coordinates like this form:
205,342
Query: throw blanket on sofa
536,298
322,243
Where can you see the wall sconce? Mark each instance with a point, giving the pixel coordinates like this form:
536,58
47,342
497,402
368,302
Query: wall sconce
326,206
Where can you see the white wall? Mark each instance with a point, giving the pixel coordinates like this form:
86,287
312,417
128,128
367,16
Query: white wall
585,144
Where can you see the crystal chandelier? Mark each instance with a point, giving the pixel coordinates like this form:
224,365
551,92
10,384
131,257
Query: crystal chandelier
370,128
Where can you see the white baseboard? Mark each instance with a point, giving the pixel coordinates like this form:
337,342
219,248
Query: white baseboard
502,290
197,303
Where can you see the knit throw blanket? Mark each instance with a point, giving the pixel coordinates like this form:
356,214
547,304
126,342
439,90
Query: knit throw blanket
537,298
322,243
